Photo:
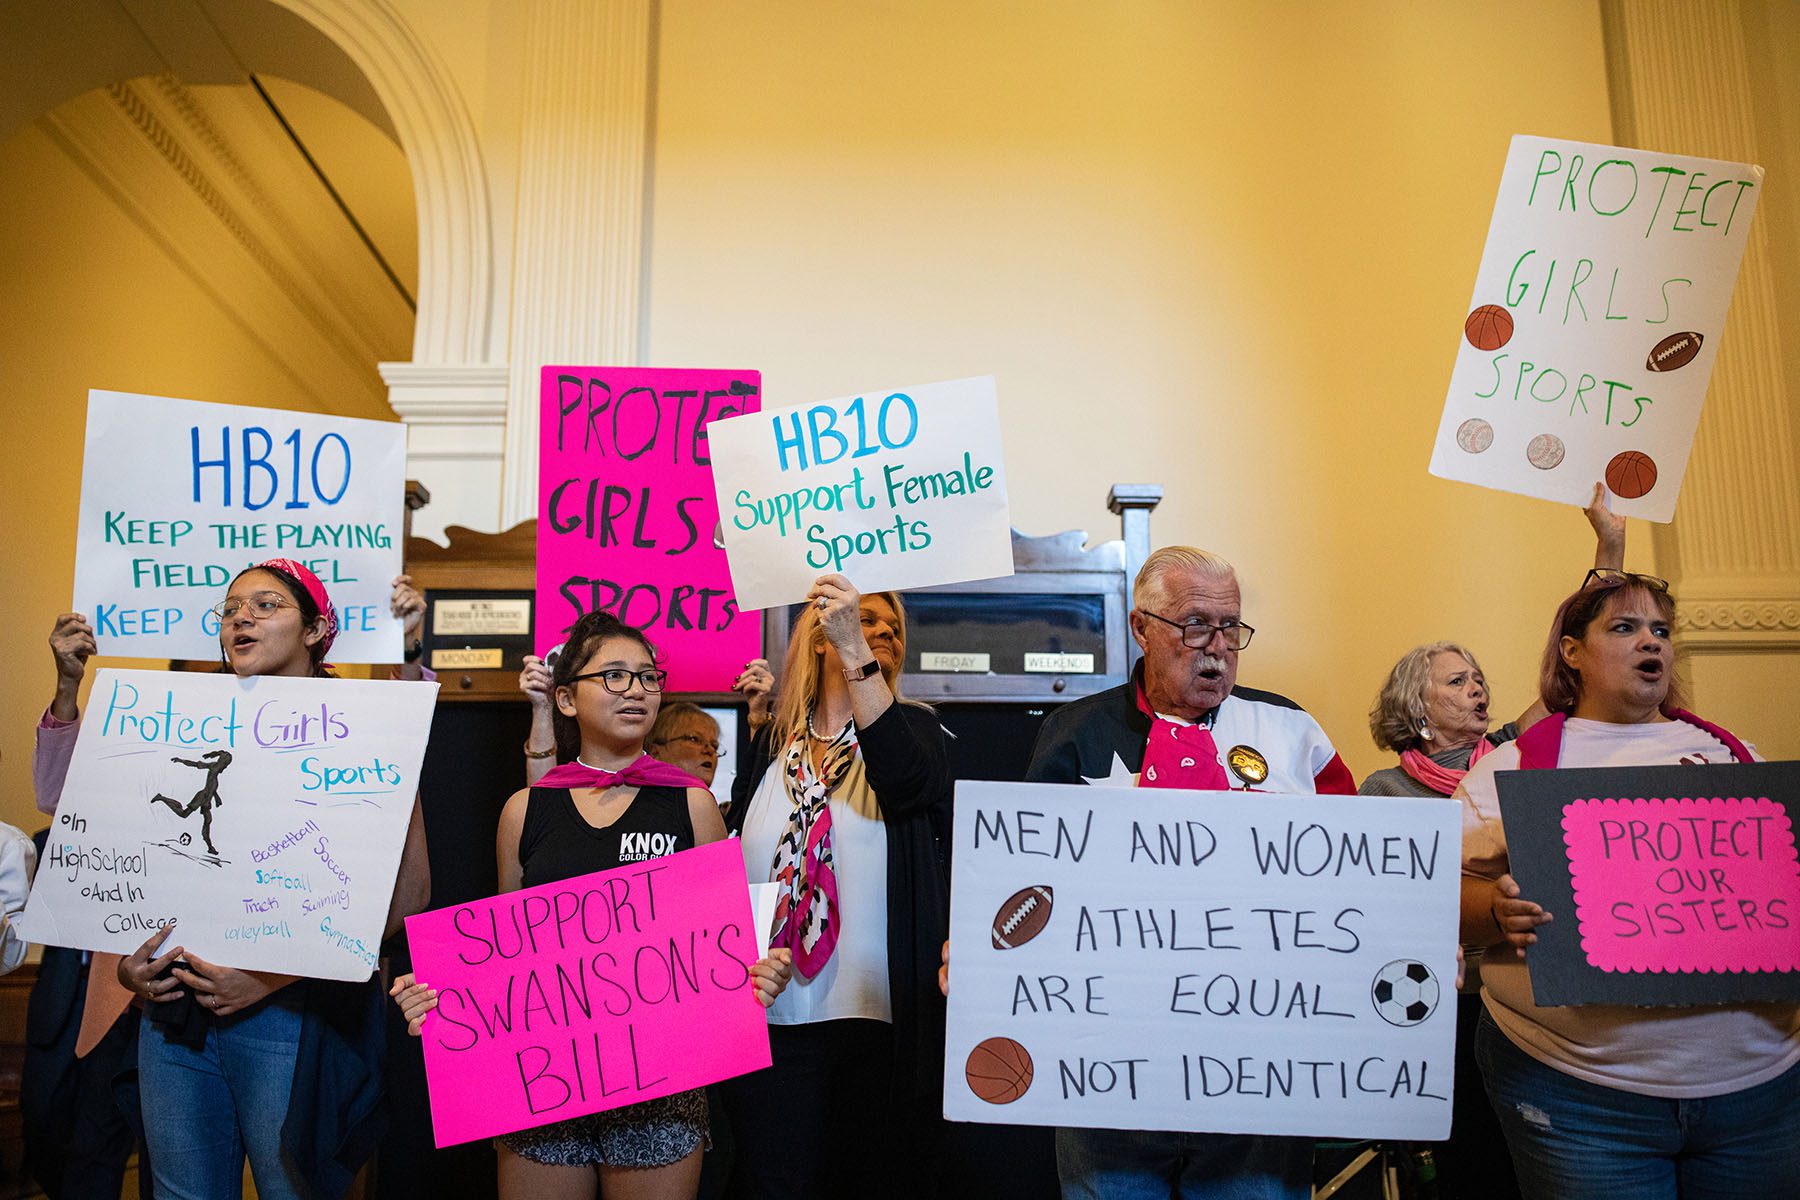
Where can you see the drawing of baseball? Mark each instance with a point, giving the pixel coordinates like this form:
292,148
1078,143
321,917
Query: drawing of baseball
1474,435
1545,452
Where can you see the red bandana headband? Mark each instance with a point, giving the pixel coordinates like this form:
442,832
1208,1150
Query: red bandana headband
306,579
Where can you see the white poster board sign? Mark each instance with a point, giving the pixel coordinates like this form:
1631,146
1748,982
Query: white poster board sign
1202,961
265,816
1596,317
178,496
894,489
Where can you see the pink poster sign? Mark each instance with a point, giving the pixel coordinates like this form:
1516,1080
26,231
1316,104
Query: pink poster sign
590,994
1681,885
628,519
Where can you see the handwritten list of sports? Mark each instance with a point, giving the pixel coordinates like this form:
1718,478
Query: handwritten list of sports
1202,961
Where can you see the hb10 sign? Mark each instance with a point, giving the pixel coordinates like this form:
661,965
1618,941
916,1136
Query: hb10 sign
1203,961
894,489
178,496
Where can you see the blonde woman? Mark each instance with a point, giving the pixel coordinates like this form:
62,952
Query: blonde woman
845,802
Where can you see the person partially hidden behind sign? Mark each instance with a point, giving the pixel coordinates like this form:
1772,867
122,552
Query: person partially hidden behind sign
608,804
1432,711
1183,721
1601,1102
283,1069
845,804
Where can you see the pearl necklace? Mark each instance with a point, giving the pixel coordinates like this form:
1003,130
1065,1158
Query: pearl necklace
816,736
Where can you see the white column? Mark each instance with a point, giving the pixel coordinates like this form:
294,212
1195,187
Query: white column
455,429
580,208
1682,82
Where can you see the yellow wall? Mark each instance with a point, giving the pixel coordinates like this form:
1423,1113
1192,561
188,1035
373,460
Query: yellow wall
89,302
1222,247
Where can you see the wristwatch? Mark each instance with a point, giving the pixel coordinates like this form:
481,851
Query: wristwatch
857,674
415,650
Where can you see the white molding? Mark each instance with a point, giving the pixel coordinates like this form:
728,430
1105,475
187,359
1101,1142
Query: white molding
150,149
456,258
578,246
1682,83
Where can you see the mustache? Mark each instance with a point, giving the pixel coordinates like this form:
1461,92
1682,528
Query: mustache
1209,662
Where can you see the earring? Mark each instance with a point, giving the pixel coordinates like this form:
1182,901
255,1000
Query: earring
1425,730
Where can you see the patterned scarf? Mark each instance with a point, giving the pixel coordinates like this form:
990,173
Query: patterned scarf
1179,756
806,916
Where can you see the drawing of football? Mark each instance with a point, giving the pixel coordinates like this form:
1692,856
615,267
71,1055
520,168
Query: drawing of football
1405,992
1673,352
1022,917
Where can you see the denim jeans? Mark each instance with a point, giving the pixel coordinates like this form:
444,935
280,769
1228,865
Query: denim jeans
205,1109
1575,1140
1129,1164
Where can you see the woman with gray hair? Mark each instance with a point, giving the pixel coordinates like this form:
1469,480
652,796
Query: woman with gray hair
1433,713
1433,708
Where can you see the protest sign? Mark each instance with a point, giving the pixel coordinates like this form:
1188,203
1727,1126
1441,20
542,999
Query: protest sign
1670,885
178,496
894,489
627,521
1202,961
265,816
588,994
1595,321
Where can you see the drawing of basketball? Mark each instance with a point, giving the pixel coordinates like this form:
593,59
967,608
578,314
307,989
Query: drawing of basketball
1545,452
1631,474
998,1070
1488,328
1474,435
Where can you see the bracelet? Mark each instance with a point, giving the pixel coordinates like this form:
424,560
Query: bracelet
530,753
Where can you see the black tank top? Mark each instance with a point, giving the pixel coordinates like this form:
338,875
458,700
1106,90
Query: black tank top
557,842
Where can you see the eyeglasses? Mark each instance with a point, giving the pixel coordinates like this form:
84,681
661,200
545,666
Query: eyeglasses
617,680
262,604
710,745
1609,577
1196,634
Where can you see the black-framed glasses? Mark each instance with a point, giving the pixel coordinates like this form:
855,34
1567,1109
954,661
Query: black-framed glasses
262,604
1611,577
617,680
1197,634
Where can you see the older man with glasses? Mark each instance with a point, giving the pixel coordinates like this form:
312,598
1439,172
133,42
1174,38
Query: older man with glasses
1182,721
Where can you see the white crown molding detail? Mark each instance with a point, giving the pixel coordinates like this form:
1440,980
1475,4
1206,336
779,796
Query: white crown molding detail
150,149
456,260
579,227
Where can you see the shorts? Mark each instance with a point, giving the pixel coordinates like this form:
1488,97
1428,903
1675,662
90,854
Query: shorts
653,1133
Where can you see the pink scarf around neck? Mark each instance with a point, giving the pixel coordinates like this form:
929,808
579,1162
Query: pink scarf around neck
645,772
1437,776
1540,747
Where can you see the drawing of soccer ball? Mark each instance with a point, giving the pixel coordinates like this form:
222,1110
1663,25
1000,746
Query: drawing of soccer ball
1405,992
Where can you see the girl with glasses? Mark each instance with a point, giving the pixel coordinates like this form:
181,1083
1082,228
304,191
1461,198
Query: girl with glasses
232,1064
581,817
